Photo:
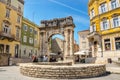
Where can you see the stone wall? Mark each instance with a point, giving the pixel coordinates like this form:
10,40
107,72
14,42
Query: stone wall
63,72
54,63
4,59
15,61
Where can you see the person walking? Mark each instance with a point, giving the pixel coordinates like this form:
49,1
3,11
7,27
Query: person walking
45,58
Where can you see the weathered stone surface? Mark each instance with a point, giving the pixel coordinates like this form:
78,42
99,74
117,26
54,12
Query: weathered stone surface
4,59
62,72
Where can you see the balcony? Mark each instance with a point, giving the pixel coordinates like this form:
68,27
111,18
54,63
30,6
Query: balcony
4,35
93,35
17,39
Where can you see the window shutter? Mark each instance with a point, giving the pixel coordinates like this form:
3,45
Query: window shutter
118,3
101,25
112,24
99,9
110,5
119,20
106,7
94,27
90,16
9,30
108,25
91,29
3,25
93,13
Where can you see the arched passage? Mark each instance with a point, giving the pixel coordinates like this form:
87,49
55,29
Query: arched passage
63,26
56,44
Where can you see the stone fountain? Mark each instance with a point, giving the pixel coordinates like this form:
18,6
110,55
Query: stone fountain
65,69
62,70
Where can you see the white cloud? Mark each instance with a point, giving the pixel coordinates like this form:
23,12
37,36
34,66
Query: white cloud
62,4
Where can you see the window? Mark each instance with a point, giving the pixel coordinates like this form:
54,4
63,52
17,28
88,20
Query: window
116,21
113,4
24,51
83,44
17,32
1,48
93,28
117,43
19,8
7,48
103,7
92,13
31,30
35,32
18,19
35,41
105,25
7,13
31,40
8,1
24,38
6,29
25,27
83,37
107,44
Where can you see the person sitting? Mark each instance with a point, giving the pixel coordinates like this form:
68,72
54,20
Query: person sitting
52,59
45,58
34,58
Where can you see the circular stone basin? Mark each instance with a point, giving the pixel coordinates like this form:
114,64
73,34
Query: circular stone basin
75,71
54,63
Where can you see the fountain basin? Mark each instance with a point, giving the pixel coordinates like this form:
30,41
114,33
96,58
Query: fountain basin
75,71
67,63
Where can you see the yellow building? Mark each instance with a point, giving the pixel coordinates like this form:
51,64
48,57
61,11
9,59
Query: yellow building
104,34
29,39
11,12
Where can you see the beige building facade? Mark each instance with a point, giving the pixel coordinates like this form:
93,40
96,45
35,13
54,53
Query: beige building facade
76,47
83,40
11,12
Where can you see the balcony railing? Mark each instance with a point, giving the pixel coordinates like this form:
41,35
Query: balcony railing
92,34
9,36
17,38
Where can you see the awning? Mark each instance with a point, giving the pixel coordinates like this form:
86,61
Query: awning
53,54
80,53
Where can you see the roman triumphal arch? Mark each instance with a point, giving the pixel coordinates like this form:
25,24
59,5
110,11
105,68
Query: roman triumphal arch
63,26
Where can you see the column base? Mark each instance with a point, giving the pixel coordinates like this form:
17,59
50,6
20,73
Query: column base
69,59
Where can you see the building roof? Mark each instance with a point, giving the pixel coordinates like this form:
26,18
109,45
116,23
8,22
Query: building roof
83,30
29,21
22,1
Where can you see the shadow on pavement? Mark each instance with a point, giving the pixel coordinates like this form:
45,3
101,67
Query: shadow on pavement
103,75
2,70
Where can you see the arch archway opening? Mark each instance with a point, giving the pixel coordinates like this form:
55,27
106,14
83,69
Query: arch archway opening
56,44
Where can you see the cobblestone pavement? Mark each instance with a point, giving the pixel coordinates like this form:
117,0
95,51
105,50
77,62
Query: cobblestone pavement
13,73
113,68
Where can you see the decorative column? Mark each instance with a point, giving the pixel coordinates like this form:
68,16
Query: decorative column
43,43
65,44
68,47
71,42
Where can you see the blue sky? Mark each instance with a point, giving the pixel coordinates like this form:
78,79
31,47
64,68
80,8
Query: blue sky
37,10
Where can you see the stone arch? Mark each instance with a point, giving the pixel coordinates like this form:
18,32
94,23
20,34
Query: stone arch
63,26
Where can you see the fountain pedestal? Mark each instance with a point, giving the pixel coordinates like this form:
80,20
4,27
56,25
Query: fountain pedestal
69,59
